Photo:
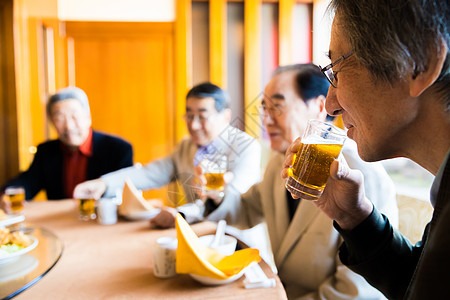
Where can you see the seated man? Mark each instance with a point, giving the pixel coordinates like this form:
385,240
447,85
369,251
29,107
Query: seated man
208,121
390,80
78,154
303,240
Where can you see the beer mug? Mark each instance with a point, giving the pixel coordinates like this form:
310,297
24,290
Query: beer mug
321,144
214,167
87,209
15,195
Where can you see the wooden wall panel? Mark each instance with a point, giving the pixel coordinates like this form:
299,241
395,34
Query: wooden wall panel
9,147
48,72
36,123
183,62
252,65
286,8
126,71
217,38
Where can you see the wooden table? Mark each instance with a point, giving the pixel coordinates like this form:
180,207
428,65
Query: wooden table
115,261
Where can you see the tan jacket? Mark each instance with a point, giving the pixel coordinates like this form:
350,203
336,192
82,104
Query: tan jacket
305,251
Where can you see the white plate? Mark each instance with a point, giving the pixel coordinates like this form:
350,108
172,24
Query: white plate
142,215
11,219
211,281
15,256
24,265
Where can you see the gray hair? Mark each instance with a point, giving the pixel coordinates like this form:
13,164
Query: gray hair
70,92
207,90
392,38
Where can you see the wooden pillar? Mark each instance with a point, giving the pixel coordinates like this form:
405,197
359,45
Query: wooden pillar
252,64
286,13
183,63
9,143
217,40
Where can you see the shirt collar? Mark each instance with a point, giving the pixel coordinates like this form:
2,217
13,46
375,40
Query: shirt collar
204,150
221,144
437,180
85,148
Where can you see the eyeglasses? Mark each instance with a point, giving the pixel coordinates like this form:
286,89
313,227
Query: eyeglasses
61,117
328,71
272,112
189,118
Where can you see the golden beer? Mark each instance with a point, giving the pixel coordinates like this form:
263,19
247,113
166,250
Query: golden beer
214,181
311,168
16,197
214,166
87,209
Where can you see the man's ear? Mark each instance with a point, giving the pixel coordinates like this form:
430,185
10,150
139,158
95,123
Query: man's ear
318,104
227,114
423,80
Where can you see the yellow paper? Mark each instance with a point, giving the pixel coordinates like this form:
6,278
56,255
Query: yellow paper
132,200
192,257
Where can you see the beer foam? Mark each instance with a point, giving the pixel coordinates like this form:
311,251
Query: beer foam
314,139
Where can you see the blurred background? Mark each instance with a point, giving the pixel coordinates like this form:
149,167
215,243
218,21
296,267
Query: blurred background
136,59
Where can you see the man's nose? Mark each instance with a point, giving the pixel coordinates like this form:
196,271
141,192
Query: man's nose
267,119
332,105
69,123
195,123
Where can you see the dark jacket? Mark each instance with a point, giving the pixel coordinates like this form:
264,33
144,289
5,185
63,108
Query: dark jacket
46,171
389,262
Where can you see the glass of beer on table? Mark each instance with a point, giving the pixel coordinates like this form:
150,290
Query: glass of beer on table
15,196
86,202
321,144
87,209
214,167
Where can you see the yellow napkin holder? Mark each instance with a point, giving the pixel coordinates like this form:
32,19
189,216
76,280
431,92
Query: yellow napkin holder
194,258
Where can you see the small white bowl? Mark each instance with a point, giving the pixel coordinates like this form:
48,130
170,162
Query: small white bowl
226,247
211,281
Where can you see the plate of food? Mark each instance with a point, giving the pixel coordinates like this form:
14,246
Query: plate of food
6,220
15,244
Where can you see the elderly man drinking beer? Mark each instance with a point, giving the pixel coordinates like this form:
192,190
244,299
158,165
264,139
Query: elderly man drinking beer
390,73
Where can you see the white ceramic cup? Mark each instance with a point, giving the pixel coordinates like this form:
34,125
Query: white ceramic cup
107,211
164,257
227,245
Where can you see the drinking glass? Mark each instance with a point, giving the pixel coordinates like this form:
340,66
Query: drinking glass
214,167
87,209
321,144
15,195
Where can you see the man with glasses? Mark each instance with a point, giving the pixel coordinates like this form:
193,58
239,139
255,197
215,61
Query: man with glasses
394,97
207,119
302,238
